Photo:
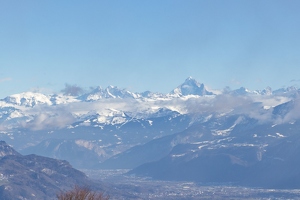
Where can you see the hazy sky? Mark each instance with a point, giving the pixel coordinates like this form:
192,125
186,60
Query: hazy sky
148,44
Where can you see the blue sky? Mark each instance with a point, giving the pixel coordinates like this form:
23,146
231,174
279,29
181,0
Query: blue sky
148,45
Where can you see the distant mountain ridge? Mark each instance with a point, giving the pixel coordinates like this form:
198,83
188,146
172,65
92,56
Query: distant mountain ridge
106,128
189,87
109,92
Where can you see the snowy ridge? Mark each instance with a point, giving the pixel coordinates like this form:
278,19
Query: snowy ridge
109,92
28,99
31,99
111,106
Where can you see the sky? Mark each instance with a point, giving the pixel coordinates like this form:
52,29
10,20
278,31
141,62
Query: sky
145,45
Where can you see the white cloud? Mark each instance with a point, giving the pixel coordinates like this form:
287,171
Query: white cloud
49,117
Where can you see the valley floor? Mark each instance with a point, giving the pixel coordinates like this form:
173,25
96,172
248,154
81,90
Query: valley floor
146,188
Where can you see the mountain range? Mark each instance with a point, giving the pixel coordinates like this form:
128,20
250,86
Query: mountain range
192,133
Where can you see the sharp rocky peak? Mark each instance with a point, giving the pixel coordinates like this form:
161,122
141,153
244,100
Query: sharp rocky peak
191,87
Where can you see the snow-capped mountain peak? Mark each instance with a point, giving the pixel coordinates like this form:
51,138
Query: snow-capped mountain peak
267,91
241,91
28,99
108,93
287,90
191,87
